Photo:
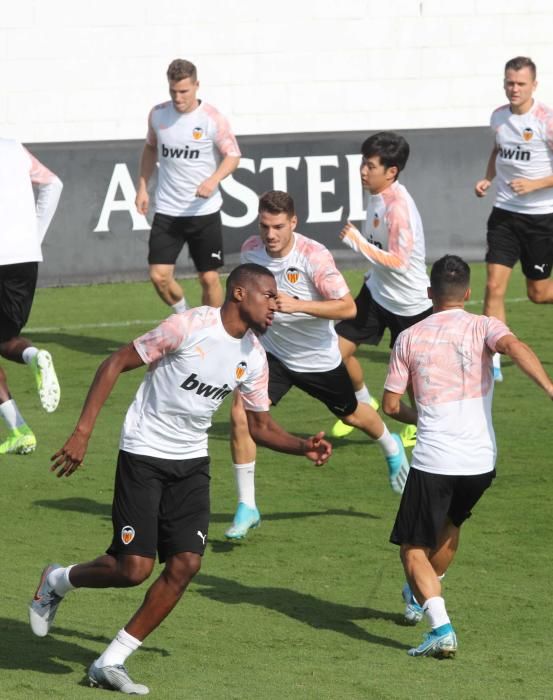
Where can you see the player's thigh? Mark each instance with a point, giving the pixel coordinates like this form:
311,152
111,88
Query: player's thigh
205,242
423,510
367,326
468,491
280,379
397,324
184,509
137,493
537,248
333,388
17,291
502,238
167,238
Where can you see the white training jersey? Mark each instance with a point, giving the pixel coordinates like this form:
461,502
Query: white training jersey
193,365
447,358
393,242
525,150
303,343
189,149
24,221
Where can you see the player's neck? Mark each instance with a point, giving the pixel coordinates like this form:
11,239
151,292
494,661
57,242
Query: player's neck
523,108
448,306
232,323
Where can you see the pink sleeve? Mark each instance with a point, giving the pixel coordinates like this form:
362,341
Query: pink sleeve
495,330
397,379
224,138
170,334
400,232
254,391
151,137
328,280
39,173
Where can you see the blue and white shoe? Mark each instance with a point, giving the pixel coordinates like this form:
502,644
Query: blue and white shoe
440,643
398,467
44,604
115,678
413,613
497,374
245,519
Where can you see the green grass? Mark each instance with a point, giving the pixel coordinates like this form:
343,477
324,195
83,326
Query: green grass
309,605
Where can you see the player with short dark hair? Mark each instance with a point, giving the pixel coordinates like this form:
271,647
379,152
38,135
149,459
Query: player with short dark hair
520,226
161,500
447,359
196,149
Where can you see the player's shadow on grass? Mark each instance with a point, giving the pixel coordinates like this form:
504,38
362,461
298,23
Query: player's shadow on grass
78,505
305,608
87,344
20,649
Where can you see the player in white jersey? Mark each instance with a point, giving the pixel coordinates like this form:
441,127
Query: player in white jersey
447,359
161,501
520,226
394,292
24,225
302,346
195,148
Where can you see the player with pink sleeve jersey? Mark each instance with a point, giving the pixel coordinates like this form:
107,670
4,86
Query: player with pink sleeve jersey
394,292
195,148
447,360
520,226
24,225
161,499
302,346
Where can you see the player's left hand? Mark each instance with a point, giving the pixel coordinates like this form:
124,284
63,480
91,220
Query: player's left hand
287,304
350,229
317,449
69,458
207,188
522,186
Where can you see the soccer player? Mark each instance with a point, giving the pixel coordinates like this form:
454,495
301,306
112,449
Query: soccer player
520,226
302,347
196,149
447,358
161,500
24,225
394,292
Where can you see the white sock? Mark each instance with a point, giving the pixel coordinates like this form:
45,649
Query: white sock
245,483
10,414
387,443
497,360
59,580
28,354
119,650
363,395
436,612
179,306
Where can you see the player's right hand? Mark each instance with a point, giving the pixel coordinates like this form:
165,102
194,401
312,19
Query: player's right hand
142,202
348,228
481,187
69,458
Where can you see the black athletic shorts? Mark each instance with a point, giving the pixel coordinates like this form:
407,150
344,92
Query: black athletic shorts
160,505
333,388
430,499
202,233
525,237
371,321
17,291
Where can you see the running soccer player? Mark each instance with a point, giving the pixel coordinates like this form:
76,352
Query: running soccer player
520,226
24,225
447,359
196,149
394,294
302,347
161,499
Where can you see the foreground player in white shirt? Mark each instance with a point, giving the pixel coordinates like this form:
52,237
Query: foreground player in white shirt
196,149
520,226
24,225
161,499
302,346
394,293
447,358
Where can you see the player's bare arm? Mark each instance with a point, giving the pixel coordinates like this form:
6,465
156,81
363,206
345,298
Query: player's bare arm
527,360
265,431
227,166
66,460
333,309
148,161
393,406
482,186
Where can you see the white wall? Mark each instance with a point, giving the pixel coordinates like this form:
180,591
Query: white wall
73,71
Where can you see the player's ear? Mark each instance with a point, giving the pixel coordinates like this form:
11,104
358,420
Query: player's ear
238,293
429,292
467,294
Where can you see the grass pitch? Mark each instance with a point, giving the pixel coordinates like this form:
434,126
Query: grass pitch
309,605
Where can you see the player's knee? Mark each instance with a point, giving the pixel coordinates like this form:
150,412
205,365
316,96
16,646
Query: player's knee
538,295
161,280
135,573
182,568
495,289
209,279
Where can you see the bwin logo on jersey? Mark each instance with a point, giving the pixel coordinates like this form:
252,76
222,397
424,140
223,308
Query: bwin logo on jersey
241,368
192,383
527,134
292,275
514,154
127,534
197,132
186,152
